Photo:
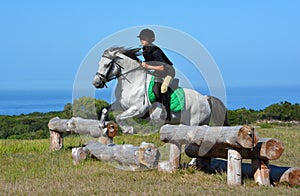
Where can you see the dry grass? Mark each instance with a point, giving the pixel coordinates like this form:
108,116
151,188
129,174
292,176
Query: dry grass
28,168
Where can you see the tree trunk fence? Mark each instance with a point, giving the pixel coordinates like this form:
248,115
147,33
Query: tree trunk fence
127,156
203,143
232,143
104,130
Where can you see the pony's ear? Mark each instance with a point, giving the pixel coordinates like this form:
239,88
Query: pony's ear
136,50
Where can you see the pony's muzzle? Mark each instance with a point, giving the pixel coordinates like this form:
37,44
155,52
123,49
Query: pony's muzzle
97,82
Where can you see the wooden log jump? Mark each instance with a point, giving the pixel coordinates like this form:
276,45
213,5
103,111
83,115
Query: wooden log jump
105,131
265,150
206,140
234,143
126,156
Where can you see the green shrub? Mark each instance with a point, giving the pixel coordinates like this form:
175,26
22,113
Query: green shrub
35,125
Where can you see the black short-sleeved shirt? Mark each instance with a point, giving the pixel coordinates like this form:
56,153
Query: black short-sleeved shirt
155,56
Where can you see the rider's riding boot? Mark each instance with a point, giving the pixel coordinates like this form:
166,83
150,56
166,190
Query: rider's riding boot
165,84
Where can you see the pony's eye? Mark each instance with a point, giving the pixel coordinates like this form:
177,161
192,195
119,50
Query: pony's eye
107,65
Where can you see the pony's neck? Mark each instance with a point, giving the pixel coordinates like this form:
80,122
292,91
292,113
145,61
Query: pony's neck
134,76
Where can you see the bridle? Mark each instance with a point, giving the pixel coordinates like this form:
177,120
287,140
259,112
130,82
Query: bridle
105,77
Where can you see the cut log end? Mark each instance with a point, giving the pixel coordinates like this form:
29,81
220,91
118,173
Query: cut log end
273,148
247,137
78,155
148,155
291,176
112,129
294,178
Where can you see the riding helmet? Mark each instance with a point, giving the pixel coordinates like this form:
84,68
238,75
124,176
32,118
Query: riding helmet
146,33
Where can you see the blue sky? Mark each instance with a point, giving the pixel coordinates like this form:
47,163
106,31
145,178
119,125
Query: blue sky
254,43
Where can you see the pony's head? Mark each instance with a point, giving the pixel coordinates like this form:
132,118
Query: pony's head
110,64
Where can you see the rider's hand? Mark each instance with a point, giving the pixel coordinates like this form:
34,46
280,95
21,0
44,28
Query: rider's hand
144,65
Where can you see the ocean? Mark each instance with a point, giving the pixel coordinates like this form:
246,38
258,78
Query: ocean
24,102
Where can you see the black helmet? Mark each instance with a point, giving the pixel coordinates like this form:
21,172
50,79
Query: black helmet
146,33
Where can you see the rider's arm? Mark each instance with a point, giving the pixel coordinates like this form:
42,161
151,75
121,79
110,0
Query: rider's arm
155,64
151,67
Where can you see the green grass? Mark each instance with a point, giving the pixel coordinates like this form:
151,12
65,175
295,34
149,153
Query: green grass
29,168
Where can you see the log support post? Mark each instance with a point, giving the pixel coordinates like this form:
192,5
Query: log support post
175,151
261,172
234,168
56,140
174,159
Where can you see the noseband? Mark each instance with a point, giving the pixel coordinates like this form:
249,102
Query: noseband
105,78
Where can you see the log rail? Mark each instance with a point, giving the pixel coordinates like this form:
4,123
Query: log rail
104,130
233,143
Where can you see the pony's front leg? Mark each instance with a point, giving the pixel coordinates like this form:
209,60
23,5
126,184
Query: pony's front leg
104,112
123,117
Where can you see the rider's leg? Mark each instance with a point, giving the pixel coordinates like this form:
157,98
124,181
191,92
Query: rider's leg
166,102
162,98
156,90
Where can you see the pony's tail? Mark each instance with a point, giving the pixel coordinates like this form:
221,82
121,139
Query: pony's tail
219,116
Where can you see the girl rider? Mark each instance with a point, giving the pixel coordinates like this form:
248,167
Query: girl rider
156,60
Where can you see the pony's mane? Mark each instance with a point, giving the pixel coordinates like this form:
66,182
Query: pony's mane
132,53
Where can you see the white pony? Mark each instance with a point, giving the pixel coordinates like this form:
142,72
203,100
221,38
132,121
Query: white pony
132,93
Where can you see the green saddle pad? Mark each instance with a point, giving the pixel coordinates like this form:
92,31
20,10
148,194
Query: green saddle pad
177,97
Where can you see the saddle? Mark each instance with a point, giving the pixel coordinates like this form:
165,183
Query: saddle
176,93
